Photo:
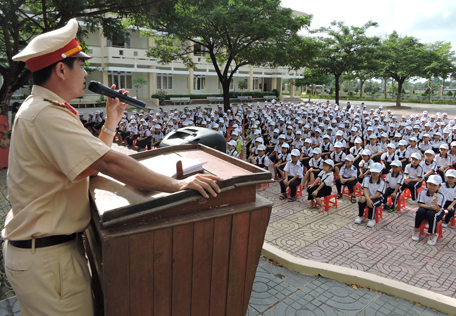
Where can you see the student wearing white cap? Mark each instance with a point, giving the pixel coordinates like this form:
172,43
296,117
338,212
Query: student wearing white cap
315,166
394,181
232,151
388,157
316,191
348,176
52,156
292,177
338,157
262,161
449,190
426,143
401,153
282,158
235,136
431,201
356,151
306,153
443,160
413,175
428,164
373,190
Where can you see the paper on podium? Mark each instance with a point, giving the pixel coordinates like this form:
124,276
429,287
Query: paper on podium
166,165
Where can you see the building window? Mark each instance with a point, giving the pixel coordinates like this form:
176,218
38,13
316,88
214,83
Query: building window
116,41
165,81
122,80
199,82
256,84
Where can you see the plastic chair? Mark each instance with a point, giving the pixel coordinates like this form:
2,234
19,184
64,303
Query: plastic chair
425,225
378,213
298,190
358,190
330,201
400,202
452,220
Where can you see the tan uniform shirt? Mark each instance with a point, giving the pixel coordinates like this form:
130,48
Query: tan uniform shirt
49,148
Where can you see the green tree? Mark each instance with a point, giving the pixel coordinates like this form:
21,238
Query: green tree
242,85
345,49
234,33
138,82
404,58
21,20
311,77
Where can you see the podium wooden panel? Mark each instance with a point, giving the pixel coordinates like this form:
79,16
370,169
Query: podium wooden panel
178,254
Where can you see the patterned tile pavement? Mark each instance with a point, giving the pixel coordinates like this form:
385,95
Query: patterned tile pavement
332,237
386,250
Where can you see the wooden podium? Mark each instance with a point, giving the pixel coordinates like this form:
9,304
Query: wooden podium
154,253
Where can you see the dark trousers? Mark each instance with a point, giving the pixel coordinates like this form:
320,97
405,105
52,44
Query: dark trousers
362,207
305,162
376,158
350,185
450,212
356,163
325,191
293,185
143,143
432,217
388,193
412,186
130,139
388,167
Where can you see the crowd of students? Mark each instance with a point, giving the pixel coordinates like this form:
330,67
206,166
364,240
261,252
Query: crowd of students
318,145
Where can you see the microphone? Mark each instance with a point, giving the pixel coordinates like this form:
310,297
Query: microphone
100,88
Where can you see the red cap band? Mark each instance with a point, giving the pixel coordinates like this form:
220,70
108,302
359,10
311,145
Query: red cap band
40,62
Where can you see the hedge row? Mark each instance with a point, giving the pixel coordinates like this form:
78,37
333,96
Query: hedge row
204,96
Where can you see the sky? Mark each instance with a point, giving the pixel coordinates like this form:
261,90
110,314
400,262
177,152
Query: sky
427,20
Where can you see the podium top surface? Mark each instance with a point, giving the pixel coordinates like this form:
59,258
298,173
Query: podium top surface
115,201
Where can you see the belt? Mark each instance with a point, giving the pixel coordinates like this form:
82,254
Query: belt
43,242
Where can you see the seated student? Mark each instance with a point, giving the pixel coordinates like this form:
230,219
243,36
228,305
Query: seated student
254,149
402,154
251,143
356,151
383,142
277,149
413,176
388,157
272,143
426,143
352,137
326,147
282,160
292,178
262,161
157,136
235,136
315,166
413,148
232,151
133,133
289,136
373,190
449,190
437,142
394,181
144,138
443,160
306,153
452,153
338,156
374,148
429,164
317,191
122,132
298,142
364,165
430,207
348,176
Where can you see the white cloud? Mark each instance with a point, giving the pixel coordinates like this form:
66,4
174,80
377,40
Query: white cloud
426,20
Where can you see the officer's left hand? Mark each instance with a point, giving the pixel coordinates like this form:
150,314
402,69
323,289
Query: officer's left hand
114,108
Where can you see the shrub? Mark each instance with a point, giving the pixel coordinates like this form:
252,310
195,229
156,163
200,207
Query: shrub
449,94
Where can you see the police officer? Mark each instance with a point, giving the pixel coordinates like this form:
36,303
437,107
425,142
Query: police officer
52,157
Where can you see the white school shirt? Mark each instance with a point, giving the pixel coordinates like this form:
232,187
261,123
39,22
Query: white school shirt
450,193
373,188
393,181
348,172
338,157
423,147
374,149
356,151
293,169
308,152
387,157
326,178
412,172
233,153
365,164
316,164
428,167
441,162
425,198
262,161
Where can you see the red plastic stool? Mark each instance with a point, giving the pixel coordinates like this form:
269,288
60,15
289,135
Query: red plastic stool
400,202
298,190
358,190
330,201
424,226
452,220
378,213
